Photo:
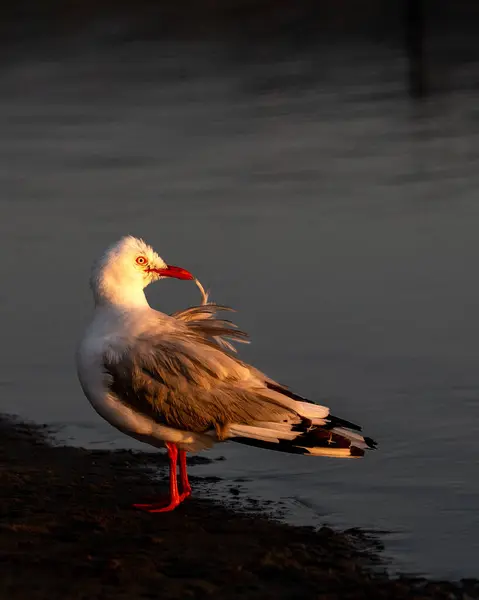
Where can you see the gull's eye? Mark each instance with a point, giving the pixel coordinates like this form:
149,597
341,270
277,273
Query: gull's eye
141,260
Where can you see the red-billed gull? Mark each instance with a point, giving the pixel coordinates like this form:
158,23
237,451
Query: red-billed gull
174,381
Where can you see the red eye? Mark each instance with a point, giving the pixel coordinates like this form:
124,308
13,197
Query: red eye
141,260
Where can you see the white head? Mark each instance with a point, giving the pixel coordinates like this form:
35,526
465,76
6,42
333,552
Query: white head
125,269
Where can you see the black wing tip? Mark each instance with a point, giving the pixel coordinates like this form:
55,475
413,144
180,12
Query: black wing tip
290,447
338,422
332,421
356,452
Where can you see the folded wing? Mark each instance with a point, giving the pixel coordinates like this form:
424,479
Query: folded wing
186,377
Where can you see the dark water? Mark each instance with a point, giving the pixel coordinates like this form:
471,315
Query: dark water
338,218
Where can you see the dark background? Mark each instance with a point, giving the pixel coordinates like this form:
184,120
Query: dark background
317,166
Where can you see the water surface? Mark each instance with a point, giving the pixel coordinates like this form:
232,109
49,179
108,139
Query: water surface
337,217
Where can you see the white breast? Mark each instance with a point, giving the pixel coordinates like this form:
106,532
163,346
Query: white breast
101,337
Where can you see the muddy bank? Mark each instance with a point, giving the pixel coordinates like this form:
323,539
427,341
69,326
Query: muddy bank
68,531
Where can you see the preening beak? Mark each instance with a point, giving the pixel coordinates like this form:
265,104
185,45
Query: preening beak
171,271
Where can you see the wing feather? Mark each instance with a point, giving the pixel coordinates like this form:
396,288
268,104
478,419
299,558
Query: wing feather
201,320
177,388
186,377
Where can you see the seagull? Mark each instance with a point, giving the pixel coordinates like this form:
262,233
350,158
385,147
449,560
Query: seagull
175,380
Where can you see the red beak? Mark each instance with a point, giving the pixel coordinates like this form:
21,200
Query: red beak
176,272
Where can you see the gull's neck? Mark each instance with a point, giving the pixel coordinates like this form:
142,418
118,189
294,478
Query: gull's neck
123,295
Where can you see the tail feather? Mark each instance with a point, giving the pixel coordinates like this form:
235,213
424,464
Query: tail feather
292,448
312,440
314,432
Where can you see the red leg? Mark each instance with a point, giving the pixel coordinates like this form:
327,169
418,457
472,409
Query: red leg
185,484
174,498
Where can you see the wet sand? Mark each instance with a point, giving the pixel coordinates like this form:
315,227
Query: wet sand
68,531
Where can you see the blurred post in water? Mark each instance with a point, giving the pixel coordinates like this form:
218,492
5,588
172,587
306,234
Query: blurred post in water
414,25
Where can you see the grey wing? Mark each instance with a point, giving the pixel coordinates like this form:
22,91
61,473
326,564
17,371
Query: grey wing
269,415
188,383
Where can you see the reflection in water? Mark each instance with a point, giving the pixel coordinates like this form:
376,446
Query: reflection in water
338,218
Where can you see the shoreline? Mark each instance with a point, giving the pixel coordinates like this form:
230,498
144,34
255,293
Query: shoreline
68,531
